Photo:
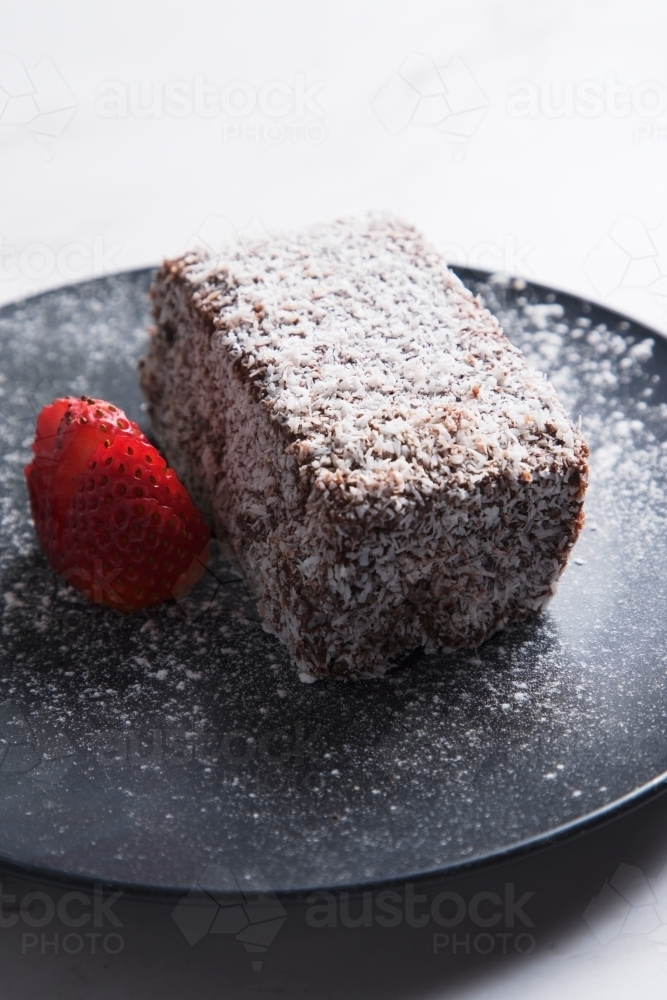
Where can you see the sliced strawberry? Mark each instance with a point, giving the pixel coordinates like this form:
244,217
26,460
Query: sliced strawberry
48,422
110,515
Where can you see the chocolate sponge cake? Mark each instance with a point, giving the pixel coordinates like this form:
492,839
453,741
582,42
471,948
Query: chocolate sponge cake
356,426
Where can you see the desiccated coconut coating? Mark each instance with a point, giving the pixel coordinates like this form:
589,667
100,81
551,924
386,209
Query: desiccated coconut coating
380,459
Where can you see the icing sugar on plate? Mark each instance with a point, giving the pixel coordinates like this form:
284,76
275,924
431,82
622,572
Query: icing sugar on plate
143,748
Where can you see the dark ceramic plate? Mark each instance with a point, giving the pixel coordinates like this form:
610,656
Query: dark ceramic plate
140,749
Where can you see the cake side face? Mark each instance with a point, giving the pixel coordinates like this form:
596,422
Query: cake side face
379,457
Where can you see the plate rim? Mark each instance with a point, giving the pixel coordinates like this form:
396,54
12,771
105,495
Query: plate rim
622,805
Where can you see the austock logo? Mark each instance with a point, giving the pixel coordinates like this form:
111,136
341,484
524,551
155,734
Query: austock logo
274,758
276,111
36,747
232,903
482,924
218,233
35,97
56,922
630,904
40,262
630,256
447,98
586,98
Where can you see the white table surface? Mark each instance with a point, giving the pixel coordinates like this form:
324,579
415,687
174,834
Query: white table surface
578,201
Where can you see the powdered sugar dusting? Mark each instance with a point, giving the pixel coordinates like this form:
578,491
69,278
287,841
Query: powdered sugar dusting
109,768
359,336
383,463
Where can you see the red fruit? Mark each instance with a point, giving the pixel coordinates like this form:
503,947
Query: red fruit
111,517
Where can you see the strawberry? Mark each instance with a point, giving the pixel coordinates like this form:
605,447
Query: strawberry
67,433
109,514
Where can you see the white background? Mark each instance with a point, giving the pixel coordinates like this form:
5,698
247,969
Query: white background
538,194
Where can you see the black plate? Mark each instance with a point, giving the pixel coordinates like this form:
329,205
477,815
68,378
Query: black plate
140,749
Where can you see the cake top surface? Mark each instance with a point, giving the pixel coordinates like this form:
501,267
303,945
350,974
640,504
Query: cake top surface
377,360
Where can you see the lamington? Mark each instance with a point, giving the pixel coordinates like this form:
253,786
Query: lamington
379,459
